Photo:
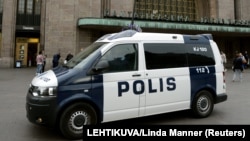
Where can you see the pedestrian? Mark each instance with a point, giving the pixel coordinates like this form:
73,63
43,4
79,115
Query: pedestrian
224,59
243,60
237,67
68,57
55,60
247,59
44,60
39,63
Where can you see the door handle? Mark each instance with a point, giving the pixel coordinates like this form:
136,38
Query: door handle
136,75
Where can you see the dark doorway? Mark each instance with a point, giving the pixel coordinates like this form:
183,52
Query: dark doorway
32,52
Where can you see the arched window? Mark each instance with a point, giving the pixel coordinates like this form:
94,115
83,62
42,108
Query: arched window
171,9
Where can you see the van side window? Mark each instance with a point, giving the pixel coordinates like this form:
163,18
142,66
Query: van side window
162,55
122,57
200,55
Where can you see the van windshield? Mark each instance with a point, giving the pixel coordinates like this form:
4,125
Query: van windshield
84,56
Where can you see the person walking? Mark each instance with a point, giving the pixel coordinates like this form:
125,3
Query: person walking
39,63
56,58
243,60
247,59
224,59
238,67
68,57
44,60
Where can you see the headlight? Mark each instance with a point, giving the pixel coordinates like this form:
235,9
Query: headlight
44,91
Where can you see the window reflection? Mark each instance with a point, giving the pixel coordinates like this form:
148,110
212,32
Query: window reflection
122,58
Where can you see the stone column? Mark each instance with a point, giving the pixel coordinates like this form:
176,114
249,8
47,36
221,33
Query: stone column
8,33
42,25
213,8
238,9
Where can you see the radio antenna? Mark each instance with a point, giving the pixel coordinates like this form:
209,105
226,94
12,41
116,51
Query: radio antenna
133,15
132,25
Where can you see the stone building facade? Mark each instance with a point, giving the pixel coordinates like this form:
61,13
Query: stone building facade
70,25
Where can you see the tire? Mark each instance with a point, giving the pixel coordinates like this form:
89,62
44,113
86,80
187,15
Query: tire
203,104
74,118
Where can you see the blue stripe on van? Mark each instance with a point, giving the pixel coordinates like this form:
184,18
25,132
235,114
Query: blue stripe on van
202,77
90,89
98,93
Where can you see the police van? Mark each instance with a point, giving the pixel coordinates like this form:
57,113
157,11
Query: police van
127,75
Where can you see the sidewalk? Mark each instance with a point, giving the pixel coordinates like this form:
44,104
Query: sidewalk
245,74
17,73
15,80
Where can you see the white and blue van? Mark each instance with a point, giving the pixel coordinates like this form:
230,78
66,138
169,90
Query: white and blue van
128,75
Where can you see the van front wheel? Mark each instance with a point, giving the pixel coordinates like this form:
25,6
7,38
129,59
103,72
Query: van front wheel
203,104
74,118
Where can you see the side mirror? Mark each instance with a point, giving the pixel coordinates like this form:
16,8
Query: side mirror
101,66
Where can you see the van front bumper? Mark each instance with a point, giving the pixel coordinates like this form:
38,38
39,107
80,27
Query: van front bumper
41,110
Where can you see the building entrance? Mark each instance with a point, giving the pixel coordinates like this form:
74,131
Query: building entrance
26,51
32,53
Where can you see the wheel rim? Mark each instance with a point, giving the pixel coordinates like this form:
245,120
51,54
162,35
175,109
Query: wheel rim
203,104
77,120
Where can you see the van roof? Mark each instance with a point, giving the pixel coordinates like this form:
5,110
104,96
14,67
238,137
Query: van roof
134,35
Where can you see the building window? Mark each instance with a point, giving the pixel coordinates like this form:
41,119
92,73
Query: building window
1,11
29,7
1,6
166,8
37,7
28,12
1,16
21,6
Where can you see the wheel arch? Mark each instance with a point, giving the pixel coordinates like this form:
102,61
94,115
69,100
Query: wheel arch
200,110
78,98
208,88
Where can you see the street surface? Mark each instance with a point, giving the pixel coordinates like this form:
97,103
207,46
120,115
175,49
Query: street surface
14,125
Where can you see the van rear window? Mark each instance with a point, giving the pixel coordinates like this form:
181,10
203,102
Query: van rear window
163,55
